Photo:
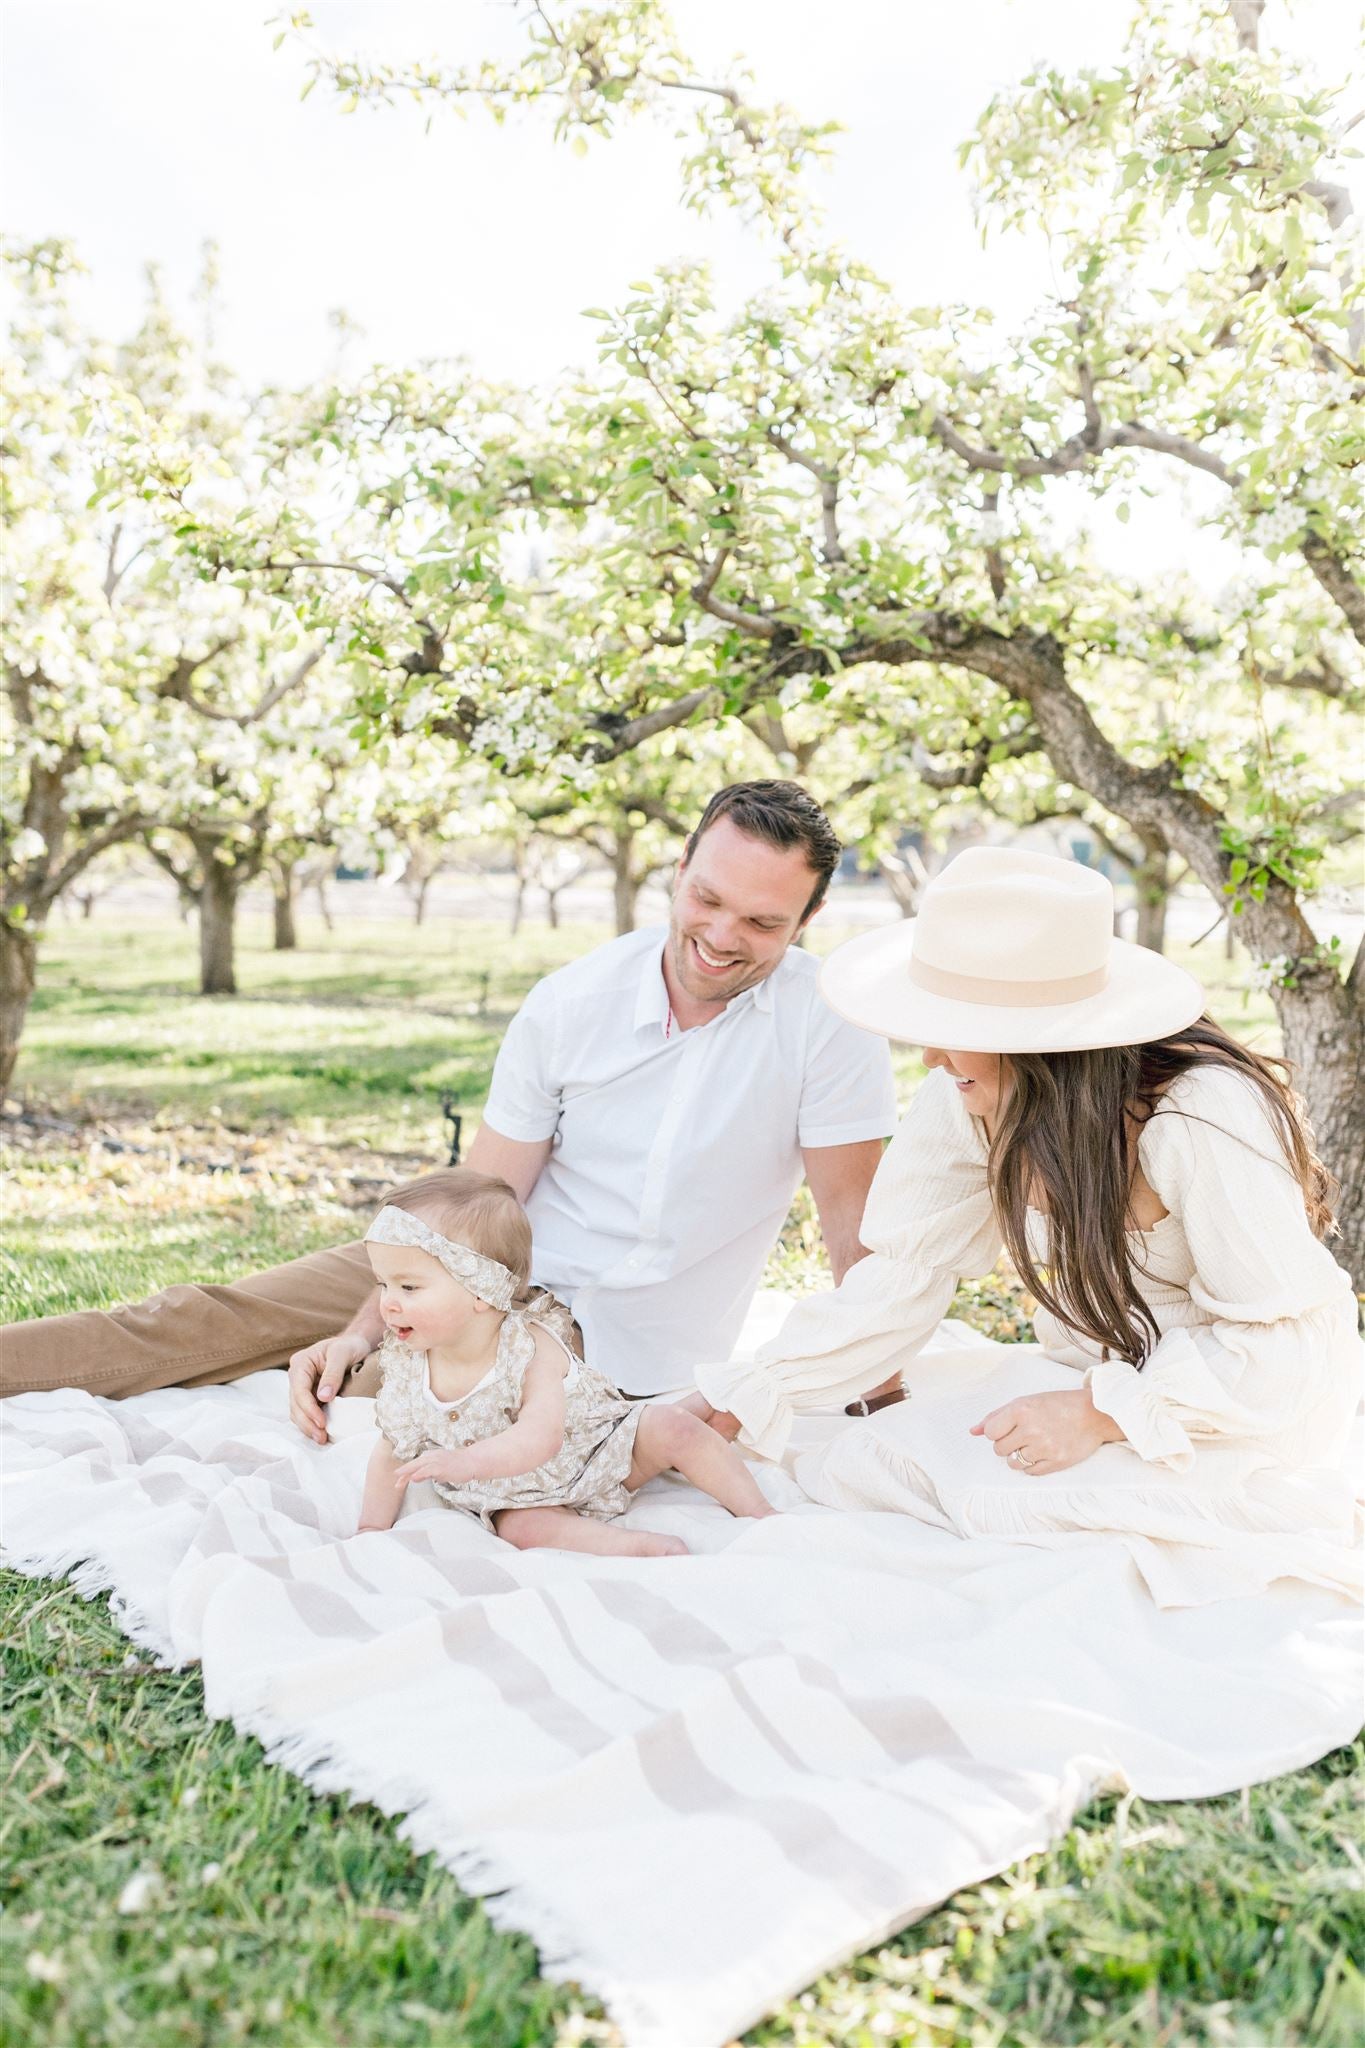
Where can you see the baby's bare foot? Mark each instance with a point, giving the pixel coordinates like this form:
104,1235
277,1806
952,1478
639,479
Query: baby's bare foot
645,1545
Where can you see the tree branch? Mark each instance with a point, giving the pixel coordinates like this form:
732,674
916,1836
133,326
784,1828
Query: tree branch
701,591
833,548
752,623
114,574
1331,570
179,683
1339,583
1325,678
90,849
765,724
659,812
1132,435
1246,19
632,732
270,567
995,561
281,690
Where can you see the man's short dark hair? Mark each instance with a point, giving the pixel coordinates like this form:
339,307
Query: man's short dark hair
784,815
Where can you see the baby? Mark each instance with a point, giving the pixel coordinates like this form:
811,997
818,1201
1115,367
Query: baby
484,1394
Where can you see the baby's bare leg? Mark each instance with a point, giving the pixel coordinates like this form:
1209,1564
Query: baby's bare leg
672,1438
562,1529
719,1419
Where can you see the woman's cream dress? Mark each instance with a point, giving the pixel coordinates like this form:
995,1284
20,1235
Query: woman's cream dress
1236,1467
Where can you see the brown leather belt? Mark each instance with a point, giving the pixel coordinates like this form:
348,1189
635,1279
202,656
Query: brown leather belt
877,1401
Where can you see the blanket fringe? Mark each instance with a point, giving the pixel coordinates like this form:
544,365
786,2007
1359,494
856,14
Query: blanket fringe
515,1906
90,1577
512,1903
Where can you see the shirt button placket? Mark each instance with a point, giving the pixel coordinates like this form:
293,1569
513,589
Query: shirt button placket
690,1061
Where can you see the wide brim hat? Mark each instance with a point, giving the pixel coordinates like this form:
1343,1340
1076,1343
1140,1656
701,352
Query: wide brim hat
1011,952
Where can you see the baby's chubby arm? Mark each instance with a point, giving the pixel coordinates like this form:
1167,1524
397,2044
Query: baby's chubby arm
532,1440
383,1488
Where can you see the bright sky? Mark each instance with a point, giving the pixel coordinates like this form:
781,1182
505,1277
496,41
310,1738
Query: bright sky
139,128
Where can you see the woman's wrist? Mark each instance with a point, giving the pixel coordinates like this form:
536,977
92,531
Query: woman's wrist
1107,1430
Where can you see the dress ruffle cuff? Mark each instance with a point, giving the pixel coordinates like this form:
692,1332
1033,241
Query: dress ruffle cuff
752,1394
1118,1390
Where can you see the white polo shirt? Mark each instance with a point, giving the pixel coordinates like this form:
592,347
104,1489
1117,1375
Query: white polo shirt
676,1153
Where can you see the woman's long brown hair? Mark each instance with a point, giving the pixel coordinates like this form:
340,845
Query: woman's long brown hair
1066,1141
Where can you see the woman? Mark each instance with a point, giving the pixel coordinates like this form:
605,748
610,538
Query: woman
1197,1367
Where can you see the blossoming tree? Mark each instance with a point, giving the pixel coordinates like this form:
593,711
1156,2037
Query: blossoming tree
835,497
142,700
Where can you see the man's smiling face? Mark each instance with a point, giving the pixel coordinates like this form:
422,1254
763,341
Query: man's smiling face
738,903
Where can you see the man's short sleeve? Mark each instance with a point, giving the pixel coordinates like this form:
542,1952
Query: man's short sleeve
847,1091
524,1095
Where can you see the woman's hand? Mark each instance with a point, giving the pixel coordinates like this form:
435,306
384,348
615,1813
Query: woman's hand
1047,1432
453,1467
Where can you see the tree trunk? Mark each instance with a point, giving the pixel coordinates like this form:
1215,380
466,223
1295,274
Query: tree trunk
518,905
217,929
324,906
18,967
1324,1040
1152,881
286,936
905,876
625,886
419,900
552,909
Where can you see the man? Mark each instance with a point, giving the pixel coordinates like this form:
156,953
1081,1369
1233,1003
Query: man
654,1106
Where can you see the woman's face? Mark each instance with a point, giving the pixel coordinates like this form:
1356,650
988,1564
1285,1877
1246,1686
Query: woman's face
978,1076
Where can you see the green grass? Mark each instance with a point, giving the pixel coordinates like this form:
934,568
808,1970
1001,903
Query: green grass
281,1919
362,1031
275,1916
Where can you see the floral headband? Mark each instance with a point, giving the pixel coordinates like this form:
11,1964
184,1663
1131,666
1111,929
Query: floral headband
487,1278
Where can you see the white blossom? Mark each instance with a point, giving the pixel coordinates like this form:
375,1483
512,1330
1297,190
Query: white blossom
140,1891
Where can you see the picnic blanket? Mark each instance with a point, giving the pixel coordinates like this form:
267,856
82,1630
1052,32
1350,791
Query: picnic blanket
695,1782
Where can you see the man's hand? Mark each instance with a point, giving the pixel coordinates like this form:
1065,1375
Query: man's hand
315,1376
453,1467
1045,1433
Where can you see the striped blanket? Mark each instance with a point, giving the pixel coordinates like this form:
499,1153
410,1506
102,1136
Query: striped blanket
695,1782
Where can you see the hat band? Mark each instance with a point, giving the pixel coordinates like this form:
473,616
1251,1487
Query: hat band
1006,995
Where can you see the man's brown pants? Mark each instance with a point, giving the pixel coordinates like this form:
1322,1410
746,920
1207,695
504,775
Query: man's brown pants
193,1336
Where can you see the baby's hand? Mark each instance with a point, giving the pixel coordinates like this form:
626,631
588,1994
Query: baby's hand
452,1466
